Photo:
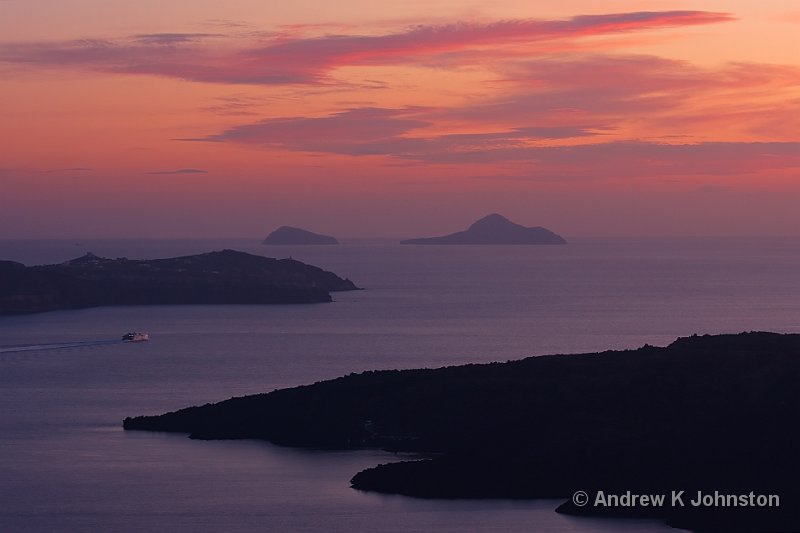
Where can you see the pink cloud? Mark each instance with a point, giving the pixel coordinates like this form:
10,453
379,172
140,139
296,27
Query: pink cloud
398,133
380,131
407,46
635,159
286,59
663,97
172,38
354,131
564,99
234,105
178,172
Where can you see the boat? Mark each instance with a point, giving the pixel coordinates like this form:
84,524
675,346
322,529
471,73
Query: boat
136,337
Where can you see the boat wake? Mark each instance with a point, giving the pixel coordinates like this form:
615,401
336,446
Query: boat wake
56,346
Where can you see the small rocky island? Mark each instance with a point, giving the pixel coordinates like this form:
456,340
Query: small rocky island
714,414
495,229
290,235
225,277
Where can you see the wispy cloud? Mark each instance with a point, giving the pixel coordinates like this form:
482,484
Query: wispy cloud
235,105
386,134
172,38
178,171
635,159
635,108
380,131
656,96
67,170
294,59
354,131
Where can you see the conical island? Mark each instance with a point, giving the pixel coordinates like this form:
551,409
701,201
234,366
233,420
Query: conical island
495,229
290,235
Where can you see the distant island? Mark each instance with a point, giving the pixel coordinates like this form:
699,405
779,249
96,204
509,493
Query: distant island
225,277
290,235
495,229
706,413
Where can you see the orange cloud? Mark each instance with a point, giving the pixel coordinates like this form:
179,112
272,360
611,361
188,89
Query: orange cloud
287,60
178,172
649,107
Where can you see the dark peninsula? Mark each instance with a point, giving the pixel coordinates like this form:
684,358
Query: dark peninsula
225,277
290,235
495,229
706,413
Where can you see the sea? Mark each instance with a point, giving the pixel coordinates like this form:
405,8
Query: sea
67,381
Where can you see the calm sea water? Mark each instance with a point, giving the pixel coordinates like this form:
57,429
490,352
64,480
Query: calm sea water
66,384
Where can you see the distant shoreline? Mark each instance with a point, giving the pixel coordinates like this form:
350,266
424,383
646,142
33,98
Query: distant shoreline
225,277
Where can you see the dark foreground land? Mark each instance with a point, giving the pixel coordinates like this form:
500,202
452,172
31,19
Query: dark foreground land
709,413
226,277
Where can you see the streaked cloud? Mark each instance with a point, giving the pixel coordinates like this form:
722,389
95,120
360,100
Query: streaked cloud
598,115
178,171
172,38
68,169
353,131
234,105
631,159
288,59
379,131
386,132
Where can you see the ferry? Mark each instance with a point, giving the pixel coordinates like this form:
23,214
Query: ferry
136,337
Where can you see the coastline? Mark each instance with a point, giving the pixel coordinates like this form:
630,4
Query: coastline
222,277
690,415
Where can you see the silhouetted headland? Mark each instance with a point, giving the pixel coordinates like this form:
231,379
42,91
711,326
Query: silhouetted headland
495,229
225,277
290,235
706,413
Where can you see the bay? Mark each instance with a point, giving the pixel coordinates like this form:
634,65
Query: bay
66,383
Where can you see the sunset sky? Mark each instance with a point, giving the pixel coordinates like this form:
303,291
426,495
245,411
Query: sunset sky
200,118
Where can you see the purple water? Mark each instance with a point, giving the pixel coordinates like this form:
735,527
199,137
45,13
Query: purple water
66,465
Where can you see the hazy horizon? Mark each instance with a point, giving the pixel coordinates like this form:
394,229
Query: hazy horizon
389,239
